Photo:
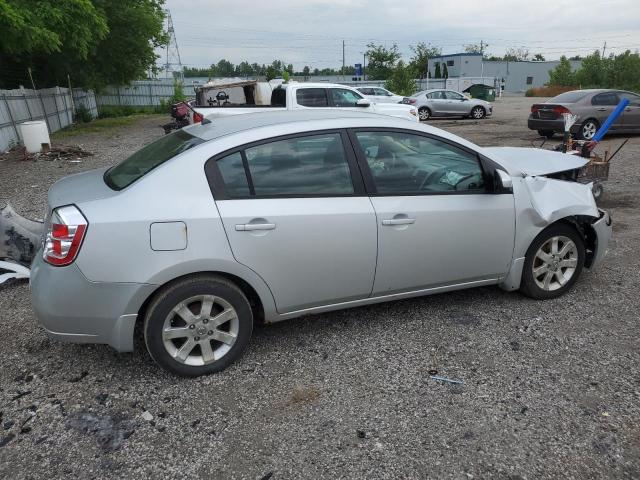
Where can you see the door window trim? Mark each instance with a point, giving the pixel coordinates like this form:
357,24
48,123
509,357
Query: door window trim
487,165
217,186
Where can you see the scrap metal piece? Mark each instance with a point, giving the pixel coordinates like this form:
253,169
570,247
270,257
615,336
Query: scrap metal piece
448,380
19,236
15,271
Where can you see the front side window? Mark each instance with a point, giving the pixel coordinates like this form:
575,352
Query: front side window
407,164
381,92
148,158
309,165
344,98
454,96
312,97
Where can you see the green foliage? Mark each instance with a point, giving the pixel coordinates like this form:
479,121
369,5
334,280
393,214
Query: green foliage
616,71
401,80
101,125
445,71
286,76
437,74
381,61
95,42
115,111
562,74
539,57
83,115
422,52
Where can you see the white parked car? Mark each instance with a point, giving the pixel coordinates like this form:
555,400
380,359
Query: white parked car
380,95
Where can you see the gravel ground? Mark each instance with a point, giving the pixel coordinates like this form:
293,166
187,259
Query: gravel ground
551,389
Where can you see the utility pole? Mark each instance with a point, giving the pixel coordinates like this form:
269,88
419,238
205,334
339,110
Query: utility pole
482,60
364,64
604,47
343,60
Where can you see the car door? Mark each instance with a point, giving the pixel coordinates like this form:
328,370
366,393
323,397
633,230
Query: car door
383,96
437,102
631,115
312,97
295,212
602,105
439,224
457,104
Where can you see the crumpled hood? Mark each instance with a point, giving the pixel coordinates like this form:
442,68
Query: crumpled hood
534,161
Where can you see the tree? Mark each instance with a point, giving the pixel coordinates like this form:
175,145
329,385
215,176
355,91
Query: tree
437,74
476,48
96,42
422,52
271,73
516,54
539,57
562,74
244,69
306,72
445,71
381,60
401,80
224,68
593,71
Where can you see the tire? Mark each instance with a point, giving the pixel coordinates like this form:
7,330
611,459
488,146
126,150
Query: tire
424,114
567,236
546,133
177,342
588,129
478,112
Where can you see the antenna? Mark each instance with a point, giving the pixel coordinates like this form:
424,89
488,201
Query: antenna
173,62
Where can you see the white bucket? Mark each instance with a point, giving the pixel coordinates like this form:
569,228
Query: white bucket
34,135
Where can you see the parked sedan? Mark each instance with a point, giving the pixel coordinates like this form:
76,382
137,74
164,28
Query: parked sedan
269,216
447,103
380,95
592,108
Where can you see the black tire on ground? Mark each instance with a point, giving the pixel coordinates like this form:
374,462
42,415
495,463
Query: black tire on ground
590,125
424,113
171,296
478,112
528,286
546,133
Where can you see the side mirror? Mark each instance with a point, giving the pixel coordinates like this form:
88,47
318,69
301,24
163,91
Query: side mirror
503,180
363,102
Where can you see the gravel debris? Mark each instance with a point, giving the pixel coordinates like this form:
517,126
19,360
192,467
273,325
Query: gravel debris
551,389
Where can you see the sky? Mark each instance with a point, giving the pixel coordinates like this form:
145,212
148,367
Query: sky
310,32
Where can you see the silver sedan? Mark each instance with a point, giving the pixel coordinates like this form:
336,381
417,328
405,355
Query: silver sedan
270,216
447,103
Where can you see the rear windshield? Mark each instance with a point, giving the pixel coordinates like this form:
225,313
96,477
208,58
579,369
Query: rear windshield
148,158
569,97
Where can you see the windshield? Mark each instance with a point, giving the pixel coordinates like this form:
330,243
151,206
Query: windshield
569,97
148,158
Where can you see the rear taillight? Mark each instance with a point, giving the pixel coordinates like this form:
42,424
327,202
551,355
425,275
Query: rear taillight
197,117
535,108
64,236
561,110
410,101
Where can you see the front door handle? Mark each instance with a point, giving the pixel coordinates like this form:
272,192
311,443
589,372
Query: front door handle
399,221
601,109
247,227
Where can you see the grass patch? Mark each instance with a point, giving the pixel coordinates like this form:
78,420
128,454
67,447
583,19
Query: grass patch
548,91
97,126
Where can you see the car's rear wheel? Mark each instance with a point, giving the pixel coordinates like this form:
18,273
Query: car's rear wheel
478,112
546,133
588,129
198,325
424,113
553,262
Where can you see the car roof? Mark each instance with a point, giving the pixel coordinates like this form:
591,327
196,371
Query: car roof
223,126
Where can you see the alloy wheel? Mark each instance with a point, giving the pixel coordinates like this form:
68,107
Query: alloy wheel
200,330
477,112
555,263
589,130
423,114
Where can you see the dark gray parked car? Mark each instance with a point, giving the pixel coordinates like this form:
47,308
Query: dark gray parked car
592,107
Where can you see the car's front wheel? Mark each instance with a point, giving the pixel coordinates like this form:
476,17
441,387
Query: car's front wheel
198,325
553,262
588,129
478,112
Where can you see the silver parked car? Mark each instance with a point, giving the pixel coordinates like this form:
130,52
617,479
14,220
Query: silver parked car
269,216
592,108
379,94
447,103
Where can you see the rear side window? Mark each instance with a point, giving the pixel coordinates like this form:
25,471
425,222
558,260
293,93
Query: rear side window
607,98
148,158
300,166
569,97
632,97
312,97
234,176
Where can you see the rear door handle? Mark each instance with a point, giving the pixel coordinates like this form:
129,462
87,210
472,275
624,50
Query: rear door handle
399,221
247,227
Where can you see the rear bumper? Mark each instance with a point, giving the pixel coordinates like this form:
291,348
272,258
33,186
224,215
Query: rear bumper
73,309
555,125
603,229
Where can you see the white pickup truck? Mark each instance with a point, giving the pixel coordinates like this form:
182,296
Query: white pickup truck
296,96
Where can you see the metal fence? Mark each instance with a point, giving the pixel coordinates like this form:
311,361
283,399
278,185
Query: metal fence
53,105
141,93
